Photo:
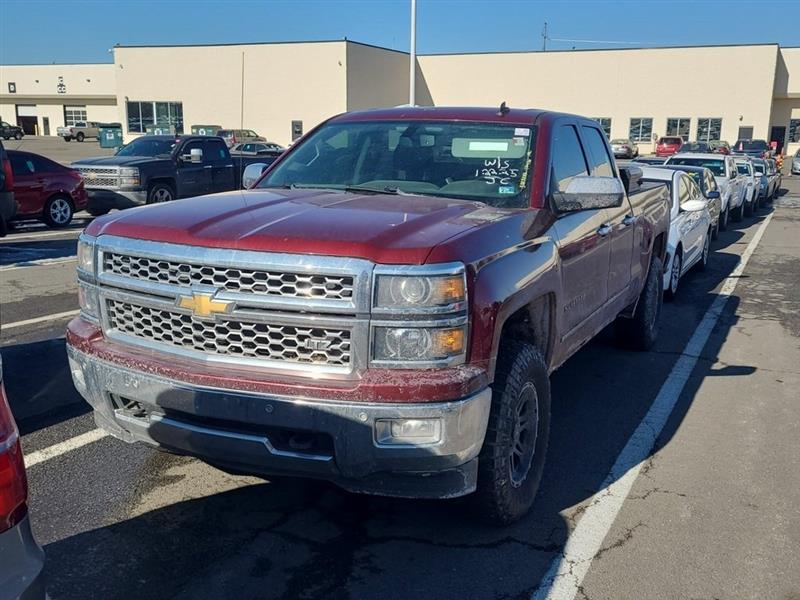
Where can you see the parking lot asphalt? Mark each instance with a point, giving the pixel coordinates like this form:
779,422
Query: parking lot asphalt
57,149
710,513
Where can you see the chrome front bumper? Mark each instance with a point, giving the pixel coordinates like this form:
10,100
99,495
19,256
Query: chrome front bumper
253,433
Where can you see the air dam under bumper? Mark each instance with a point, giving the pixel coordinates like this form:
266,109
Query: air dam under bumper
270,435
103,200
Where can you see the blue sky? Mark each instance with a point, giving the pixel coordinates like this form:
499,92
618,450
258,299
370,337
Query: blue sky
44,31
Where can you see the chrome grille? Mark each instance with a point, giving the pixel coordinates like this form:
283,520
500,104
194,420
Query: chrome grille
245,280
232,337
99,177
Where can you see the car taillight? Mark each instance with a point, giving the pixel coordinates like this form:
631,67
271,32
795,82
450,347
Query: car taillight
9,177
13,482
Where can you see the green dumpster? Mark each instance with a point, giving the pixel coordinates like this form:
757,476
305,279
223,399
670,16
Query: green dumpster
205,129
160,130
110,137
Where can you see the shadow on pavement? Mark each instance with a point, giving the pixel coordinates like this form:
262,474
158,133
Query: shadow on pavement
298,539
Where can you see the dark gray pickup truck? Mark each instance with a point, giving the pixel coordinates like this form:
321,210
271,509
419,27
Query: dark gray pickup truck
158,168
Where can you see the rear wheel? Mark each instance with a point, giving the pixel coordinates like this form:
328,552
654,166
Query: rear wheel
703,262
641,331
18,136
80,136
512,458
58,212
738,213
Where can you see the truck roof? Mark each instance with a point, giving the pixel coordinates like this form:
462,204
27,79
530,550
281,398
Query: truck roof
448,113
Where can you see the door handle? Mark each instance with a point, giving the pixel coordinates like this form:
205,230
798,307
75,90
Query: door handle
628,220
208,167
604,230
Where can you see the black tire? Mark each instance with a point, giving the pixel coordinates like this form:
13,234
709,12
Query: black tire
3,227
702,264
749,208
80,136
512,459
58,212
160,192
18,136
67,139
715,230
641,331
738,214
675,269
724,217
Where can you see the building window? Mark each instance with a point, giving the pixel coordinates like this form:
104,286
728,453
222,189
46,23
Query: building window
605,124
794,131
641,130
709,129
679,127
142,115
74,114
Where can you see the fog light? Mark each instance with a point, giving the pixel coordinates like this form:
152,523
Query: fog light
414,432
78,377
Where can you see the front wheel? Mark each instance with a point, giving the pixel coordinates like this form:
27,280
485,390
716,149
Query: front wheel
512,459
67,139
79,137
57,212
18,136
160,192
703,263
675,275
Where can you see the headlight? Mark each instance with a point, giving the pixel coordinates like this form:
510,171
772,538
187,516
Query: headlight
87,300
419,344
86,256
421,292
129,176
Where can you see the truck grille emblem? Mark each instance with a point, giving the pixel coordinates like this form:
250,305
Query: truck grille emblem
203,304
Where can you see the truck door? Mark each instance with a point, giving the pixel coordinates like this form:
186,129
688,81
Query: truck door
219,164
620,218
194,179
584,243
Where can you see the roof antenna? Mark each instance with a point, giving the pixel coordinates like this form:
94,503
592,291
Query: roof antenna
503,109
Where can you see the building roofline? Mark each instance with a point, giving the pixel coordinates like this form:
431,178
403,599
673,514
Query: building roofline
600,49
274,43
80,64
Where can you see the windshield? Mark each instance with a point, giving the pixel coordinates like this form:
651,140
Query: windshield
751,145
717,167
487,162
145,146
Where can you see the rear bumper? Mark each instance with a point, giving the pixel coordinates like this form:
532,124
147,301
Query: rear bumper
22,564
8,205
264,434
99,199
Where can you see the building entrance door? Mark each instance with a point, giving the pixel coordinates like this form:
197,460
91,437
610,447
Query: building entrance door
26,118
778,134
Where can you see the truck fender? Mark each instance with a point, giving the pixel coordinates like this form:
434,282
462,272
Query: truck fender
505,285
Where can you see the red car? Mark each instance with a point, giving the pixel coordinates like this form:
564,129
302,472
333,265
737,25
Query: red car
667,146
45,189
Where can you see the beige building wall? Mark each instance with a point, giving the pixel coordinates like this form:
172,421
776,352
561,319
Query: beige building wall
282,82
51,87
786,105
376,77
620,84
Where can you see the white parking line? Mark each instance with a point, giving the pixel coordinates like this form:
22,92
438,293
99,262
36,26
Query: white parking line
34,458
53,317
35,235
38,262
565,575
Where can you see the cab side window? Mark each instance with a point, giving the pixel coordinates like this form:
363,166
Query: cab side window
599,160
567,160
215,151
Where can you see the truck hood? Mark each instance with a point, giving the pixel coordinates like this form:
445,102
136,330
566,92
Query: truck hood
118,161
381,228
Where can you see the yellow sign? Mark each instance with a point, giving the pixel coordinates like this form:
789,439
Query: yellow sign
203,305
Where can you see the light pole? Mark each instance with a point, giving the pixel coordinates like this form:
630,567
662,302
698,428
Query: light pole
412,76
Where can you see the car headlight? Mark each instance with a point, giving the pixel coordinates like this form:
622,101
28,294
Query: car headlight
88,301
421,292
86,251
129,176
419,344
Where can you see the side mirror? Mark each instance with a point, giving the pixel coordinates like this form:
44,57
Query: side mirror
195,156
733,175
586,193
693,206
252,173
713,195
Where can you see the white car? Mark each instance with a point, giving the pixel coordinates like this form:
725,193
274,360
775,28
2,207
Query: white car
689,240
745,167
732,186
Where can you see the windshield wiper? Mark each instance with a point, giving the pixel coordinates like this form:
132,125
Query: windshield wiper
369,190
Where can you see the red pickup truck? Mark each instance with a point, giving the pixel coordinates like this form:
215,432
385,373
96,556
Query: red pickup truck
381,309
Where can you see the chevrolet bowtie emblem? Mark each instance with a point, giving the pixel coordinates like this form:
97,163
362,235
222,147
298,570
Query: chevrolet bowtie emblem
203,305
